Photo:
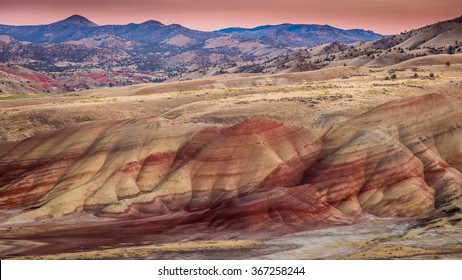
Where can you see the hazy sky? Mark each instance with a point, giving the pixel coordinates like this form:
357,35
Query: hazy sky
383,16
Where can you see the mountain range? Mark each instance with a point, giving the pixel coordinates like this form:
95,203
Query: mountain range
75,53
77,43
303,35
78,27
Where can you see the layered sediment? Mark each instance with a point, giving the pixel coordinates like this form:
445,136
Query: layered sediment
401,159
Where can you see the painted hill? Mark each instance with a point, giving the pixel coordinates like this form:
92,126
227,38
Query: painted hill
259,177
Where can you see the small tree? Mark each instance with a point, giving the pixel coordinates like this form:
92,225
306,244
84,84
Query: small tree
448,63
432,75
393,76
415,75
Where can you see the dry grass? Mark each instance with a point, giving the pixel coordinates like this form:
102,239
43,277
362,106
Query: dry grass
306,99
142,252
397,251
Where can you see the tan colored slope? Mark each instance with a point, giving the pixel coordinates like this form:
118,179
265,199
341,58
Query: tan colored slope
436,35
225,81
446,38
439,59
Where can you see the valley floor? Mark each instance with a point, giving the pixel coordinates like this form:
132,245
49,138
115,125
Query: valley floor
371,239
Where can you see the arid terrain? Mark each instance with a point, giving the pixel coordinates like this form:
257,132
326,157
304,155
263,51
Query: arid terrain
291,165
290,141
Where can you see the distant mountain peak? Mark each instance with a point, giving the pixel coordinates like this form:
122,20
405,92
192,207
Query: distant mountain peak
152,22
302,35
77,20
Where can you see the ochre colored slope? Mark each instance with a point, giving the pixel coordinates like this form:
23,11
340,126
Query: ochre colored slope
402,159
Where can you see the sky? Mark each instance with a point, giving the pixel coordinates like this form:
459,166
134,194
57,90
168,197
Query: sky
382,16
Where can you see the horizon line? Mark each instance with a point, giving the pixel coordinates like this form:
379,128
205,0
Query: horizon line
228,27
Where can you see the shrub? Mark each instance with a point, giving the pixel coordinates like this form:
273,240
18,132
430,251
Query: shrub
432,75
387,78
393,76
415,75
448,63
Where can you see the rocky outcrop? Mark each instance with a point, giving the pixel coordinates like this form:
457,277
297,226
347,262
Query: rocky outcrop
402,159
